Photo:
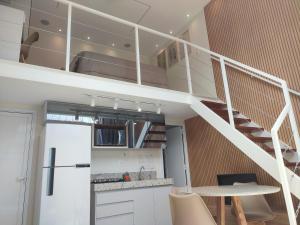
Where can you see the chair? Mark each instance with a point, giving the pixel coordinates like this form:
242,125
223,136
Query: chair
189,209
256,208
26,45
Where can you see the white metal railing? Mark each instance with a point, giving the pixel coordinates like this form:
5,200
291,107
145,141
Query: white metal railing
224,61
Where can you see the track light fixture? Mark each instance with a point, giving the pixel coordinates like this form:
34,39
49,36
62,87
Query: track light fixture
158,110
93,102
116,104
139,108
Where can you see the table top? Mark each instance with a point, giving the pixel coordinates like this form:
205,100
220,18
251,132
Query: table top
235,190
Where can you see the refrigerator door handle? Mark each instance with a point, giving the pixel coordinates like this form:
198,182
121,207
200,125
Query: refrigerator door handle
51,170
85,165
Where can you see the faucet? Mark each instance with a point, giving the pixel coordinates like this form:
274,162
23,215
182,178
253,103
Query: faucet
140,173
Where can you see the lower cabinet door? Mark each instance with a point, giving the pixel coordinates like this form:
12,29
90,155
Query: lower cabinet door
126,219
162,206
144,207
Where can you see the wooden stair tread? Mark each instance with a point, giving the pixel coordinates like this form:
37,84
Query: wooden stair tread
210,104
155,141
157,132
224,111
249,129
259,139
158,124
270,149
237,120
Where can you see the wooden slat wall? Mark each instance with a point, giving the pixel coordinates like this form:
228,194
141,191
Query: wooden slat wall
264,34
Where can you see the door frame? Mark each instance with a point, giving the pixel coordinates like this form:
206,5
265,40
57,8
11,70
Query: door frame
32,140
185,154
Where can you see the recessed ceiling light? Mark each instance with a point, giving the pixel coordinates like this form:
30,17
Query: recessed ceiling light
60,30
113,44
88,37
188,15
171,32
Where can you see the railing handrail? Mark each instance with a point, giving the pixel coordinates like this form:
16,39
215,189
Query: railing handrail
292,91
149,30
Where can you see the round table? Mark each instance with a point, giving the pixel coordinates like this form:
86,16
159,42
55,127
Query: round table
233,191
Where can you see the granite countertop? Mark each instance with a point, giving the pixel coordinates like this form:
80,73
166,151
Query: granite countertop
132,184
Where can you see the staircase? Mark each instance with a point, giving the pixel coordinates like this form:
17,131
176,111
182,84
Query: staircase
156,136
255,133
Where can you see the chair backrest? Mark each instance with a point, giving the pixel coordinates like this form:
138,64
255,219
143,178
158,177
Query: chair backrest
189,209
230,179
256,207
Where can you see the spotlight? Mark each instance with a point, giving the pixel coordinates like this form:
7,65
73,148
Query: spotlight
158,110
93,102
139,108
116,104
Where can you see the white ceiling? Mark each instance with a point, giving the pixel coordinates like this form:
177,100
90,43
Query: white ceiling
161,15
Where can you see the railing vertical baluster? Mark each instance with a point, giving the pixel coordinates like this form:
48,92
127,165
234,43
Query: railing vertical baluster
292,118
281,166
227,93
68,47
188,69
137,55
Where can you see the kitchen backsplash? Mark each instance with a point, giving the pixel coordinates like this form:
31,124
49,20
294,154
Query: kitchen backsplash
145,175
118,161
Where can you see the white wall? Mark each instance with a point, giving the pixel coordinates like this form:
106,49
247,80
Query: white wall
32,189
201,67
49,50
127,160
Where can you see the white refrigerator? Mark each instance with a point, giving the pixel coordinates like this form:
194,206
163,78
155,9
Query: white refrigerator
65,193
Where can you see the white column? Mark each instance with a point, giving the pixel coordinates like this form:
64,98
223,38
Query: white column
68,48
137,55
227,93
188,69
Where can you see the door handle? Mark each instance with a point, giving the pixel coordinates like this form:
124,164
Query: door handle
86,165
51,170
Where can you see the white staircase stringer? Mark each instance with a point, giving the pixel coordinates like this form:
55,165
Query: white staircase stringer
248,147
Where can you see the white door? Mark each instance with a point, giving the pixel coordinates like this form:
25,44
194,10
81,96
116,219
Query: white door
174,157
15,138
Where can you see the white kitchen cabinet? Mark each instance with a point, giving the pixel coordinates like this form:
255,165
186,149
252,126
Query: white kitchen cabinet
141,206
162,206
11,26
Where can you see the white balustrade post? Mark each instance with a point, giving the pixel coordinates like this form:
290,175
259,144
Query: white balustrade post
227,93
137,55
281,166
292,117
68,47
188,69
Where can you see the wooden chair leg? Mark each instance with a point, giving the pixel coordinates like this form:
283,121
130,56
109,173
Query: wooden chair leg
239,212
221,210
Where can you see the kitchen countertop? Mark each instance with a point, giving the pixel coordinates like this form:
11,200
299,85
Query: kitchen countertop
132,184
